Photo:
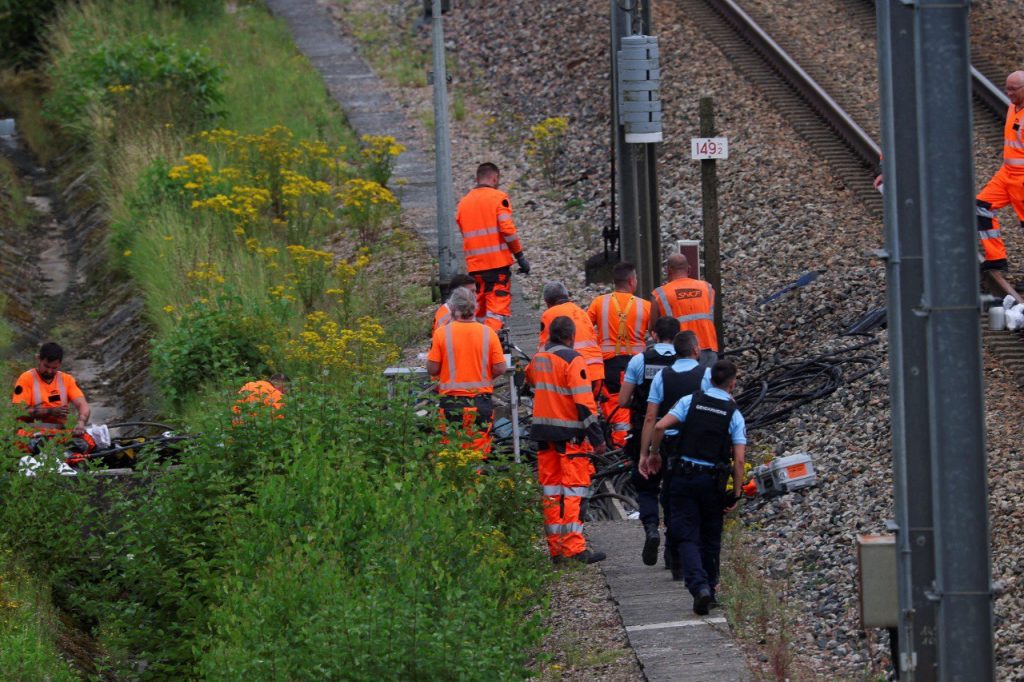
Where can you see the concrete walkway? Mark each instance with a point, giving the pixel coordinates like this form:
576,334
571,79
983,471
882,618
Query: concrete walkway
370,110
670,641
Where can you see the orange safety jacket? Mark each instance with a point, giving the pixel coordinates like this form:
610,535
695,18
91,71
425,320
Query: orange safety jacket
692,302
467,351
586,340
443,316
262,392
563,400
31,390
621,320
1013,141
489,238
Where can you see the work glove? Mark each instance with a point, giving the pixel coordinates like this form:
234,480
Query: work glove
524,265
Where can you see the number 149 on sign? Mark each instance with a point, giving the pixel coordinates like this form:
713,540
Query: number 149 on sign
709,148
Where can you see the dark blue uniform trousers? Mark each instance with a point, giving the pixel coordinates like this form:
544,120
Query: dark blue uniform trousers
695,523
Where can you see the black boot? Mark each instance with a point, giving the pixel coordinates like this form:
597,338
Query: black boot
651,543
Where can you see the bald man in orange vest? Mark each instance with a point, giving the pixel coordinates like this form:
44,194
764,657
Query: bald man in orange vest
692,302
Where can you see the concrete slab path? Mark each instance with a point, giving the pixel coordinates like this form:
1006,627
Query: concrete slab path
370,110
670,641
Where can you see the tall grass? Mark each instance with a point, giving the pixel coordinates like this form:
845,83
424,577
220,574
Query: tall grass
28,630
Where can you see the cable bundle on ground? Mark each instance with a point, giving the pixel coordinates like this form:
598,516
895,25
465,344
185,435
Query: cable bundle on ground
774,394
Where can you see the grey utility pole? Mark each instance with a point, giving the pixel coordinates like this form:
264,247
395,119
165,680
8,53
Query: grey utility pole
950,303
908,356
709,212
448,249
639,230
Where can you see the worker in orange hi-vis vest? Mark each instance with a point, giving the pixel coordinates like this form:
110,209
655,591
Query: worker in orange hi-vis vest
266,392
444,314
556,297
490,243
565,426
692,302
47,392
621,320
465,356
1007,186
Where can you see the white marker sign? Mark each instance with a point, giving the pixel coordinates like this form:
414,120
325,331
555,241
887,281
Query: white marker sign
709,148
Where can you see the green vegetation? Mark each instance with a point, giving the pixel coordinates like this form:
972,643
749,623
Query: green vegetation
27,628
753,606
339,541
14,210
21,29
392,48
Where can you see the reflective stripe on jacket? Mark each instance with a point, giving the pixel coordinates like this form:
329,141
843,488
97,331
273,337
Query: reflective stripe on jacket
443,316
586,340
37,389
467,352
692,302
489,238
621,328
1013,140
563,400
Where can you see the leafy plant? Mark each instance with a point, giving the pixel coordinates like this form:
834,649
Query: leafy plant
367,207
144,78
379,153
22,23
546,144
211,341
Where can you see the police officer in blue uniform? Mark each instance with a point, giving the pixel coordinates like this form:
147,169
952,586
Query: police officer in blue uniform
685,376
636,385
712,441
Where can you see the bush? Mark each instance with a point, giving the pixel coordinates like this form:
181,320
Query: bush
546,144
211,341
22,23
330,544
144,80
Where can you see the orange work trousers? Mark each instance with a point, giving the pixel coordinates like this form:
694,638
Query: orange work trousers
493,297
564,471
617,418
1005,188
473,417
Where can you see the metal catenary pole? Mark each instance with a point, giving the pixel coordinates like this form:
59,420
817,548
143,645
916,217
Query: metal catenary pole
709,206
625,167
908,383
647,186
448,249
951,304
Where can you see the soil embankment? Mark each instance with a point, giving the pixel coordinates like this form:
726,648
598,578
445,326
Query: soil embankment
53,272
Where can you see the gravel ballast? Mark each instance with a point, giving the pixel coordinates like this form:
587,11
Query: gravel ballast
783,214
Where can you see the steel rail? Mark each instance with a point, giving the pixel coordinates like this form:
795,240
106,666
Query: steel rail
848,130
988,93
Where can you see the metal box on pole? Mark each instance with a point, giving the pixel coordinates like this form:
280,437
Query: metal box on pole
639,80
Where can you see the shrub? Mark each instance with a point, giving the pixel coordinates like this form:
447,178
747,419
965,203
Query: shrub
546,143
144,80
22,23
212,340
367,208
379,153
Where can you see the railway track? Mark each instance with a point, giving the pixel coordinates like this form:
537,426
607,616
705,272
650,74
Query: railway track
832,132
